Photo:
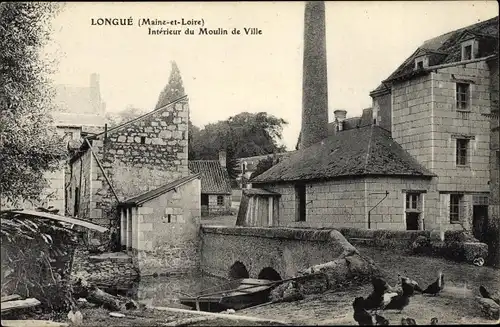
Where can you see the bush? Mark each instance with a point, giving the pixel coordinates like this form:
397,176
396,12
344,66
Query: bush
36,260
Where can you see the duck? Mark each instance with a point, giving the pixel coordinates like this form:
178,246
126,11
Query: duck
400,301
363,317
380,296
484,293
436,287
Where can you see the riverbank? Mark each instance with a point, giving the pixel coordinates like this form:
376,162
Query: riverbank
455,305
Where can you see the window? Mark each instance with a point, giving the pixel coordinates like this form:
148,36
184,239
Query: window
420,64
462,96
412,201
467,52
169,218
143,139
462,149
220,200
455,201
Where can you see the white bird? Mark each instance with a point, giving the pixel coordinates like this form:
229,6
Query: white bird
76,318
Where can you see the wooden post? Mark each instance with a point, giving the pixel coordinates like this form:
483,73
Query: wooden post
123,229
129,228
270,209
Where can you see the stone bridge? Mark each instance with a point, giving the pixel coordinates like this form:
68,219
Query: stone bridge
271,253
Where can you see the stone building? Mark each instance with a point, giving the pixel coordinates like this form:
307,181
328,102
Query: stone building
161,226
216,196
127,160
421,162
122,166
434,104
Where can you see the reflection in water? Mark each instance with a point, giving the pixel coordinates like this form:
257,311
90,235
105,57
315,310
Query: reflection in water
162,290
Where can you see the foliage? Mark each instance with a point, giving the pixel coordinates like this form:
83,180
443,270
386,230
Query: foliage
29,145
264,165
128,114
36,258
243,135
174,88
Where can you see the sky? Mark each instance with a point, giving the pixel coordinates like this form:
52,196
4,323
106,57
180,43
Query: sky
224,75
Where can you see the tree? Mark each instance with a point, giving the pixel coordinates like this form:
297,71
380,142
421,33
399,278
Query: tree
29,145
247,134
174,88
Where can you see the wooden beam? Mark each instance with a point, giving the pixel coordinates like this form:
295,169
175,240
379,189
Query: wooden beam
220,315
32,323
10,298
19,304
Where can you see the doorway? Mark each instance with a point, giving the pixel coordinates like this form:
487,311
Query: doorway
300,200
480,222
412,219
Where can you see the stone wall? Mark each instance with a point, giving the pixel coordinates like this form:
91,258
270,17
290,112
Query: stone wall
382,110
136,157
108,270
329,203
391,212
214,209
288,251
345,203
412,125
167,232
450,124
494,200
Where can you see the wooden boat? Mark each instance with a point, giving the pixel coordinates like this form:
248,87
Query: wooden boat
236,294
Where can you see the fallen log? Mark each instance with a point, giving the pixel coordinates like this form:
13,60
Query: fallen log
220,315
97,296
489,308
32,323
19,304
10,298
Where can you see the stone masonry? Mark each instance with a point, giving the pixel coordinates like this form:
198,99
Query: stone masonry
136,157
167,232
345,203
426,123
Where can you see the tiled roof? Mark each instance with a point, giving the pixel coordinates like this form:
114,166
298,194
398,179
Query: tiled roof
349,123
259,191
144,197
214,178
356,152
449,47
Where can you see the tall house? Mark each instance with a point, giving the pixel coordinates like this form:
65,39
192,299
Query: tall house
434,106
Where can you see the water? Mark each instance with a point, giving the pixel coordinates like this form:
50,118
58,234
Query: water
165,290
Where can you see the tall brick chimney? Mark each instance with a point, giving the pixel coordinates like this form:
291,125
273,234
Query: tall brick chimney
314,76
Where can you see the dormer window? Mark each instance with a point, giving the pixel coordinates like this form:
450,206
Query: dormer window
421,62
469,49
467,52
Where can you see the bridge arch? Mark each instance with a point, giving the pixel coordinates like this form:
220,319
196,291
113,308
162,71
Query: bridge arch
269,273
238,270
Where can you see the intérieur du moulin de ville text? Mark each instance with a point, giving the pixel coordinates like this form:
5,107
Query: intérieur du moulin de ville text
158,24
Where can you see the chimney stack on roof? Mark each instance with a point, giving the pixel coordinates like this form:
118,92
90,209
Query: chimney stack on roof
314,76
340,116
222,158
